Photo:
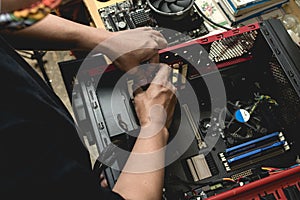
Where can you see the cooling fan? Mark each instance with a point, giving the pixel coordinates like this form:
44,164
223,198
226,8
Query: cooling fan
245,120
170,7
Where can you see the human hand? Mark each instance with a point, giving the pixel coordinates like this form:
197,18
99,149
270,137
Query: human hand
155,106
128,49
103,181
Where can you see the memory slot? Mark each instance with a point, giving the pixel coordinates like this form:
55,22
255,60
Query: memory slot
235,148
264,156
252,158
256,151
253,147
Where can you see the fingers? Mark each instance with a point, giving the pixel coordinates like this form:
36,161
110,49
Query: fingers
137,91
156,36
136,46
161,92
146,72
163,74
153,66
161,42
154,59
162,78
145,28
103,181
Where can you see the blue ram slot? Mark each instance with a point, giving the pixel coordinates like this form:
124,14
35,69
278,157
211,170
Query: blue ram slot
252,142
251,153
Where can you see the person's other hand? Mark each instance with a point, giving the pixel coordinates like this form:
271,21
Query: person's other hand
103,181
155,106
128,49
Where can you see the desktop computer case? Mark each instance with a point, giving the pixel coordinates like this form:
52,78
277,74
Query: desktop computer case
265,53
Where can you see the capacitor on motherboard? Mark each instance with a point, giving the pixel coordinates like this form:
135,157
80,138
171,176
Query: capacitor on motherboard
122,25
242,115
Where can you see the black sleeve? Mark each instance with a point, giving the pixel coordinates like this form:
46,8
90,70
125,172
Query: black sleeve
34,164
41,153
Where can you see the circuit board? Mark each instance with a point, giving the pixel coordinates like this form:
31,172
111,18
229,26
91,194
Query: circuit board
132,14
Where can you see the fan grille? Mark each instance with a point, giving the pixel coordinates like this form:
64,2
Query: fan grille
288,96
170,7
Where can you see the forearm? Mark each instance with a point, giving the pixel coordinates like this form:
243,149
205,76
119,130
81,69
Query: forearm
55,33
147,185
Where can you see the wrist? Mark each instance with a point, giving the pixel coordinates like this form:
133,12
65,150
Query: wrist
154,130
109,44
95,39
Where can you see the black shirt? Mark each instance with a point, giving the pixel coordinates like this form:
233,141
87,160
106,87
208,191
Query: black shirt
40,150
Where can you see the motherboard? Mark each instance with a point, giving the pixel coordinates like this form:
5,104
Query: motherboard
133,14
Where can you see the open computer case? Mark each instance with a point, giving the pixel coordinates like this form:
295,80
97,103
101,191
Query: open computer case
256,134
